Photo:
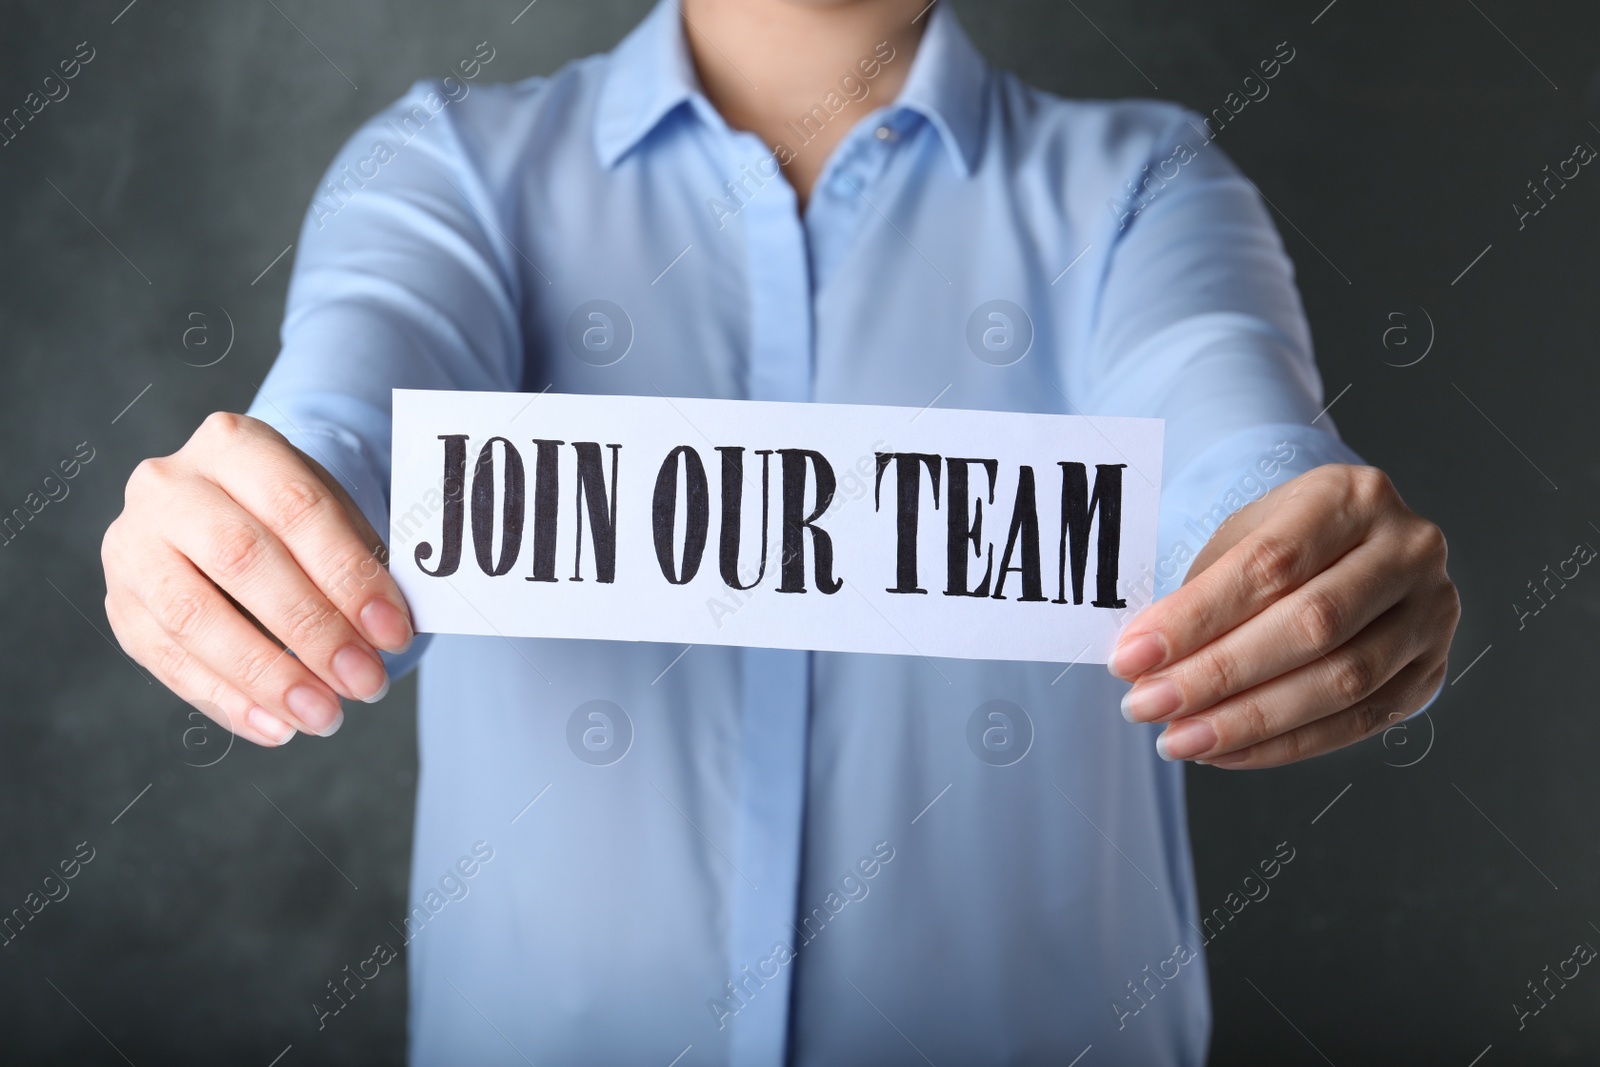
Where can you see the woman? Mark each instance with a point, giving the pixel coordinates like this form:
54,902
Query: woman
799,857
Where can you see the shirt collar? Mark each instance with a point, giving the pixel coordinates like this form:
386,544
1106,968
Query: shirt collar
648,76
947,85
651,73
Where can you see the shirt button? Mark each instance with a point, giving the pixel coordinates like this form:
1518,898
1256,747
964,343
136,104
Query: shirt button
885,133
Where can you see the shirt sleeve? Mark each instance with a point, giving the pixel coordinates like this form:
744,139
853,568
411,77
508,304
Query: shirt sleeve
1199,323
400,281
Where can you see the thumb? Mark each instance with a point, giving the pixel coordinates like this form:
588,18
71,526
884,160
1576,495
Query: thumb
1234,528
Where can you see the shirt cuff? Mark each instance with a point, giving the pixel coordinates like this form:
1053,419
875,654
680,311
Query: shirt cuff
1226,476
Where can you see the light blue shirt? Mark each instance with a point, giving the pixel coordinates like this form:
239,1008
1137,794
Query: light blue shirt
770,856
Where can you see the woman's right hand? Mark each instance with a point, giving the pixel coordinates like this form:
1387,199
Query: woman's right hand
231,554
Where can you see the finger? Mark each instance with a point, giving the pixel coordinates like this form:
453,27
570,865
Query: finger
199,686
193,615
1407,691
323,530
1328,685
1234,529
1320,616
1320,516
242,557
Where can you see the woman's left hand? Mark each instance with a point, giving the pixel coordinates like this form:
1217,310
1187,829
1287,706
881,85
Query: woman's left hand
1314,617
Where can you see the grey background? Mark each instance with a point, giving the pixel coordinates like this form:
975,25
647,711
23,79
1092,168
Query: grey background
1418,905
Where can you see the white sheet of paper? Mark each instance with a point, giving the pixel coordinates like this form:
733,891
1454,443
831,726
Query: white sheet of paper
862,524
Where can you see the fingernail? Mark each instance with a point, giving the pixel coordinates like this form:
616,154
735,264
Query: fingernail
1137,655
269,725
1151,700
386,625
361,672
315,708
1186,739
1228,760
